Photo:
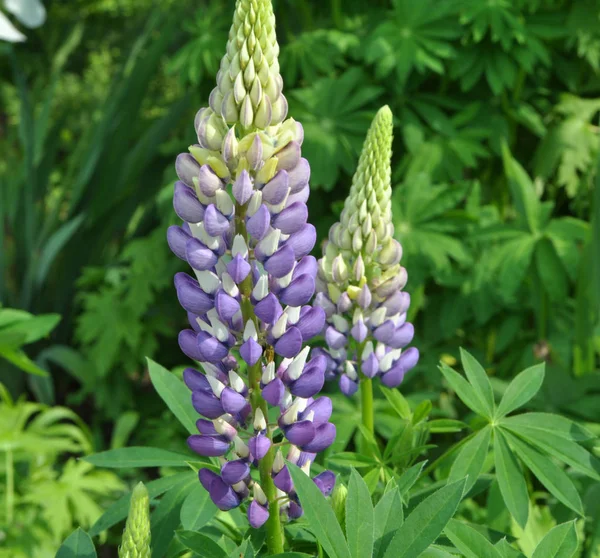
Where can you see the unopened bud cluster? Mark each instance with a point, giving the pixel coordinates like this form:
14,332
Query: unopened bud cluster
242,195
360,278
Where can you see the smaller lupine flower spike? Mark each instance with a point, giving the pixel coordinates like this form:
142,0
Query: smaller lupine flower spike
242,194
136,536
360,279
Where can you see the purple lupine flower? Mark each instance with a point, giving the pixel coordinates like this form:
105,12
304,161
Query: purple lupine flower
360,278
242,195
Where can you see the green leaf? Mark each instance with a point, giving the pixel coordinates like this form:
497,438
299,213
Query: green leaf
77,545
201,544
478,378
471,458
319,515
552,424
522,388
507,551
175,394
551,270
510,480
22,361
463,389
388,517
550,475
359,517
138,457
470,542
27,329
350,459
397,401
118,510
292,555
197,510
423,526
559,542
565,450
408,479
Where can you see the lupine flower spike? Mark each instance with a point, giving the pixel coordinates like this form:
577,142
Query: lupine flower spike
242,195
360,278
136,537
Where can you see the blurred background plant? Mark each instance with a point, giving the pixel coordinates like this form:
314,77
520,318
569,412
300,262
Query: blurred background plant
496,202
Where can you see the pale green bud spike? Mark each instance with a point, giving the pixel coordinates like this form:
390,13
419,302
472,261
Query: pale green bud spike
136,537
371,191
249,85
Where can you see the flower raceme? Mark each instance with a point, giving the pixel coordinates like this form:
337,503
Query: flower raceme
360,279
242,195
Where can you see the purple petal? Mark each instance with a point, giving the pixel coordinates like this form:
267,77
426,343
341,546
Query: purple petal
299,291
283,480
326,482
207,477
208,181
242,188
344,303
215,223
322,409
408,359
273,392
288,157
206,427
250,351
226,305
207,404
254,154
223,495
299,176
290,343
334,338
211,349
259,445
186,168
258,225
188,344
311,323
402,336
199,256
268,309
186,203
191,296
276,189
177,239
208,446
347,386
232,401
306,266
359,331
300,433
370,366
310,382
292,218
257,514
302,196
195,380
397,303
238,268
235,471
385,331
294,510
281,262
303,241
324,437
364,297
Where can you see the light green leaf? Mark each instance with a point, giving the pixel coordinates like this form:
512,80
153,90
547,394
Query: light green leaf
423,526
77,545
470,542
175,394
521,389
198,509
559,542
319,515
201,544
389,516
470,459
138,457
463,389
550,475
510,480
478,378
359,517
22,361
397,401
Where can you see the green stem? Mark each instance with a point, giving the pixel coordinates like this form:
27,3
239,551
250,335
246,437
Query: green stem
366,394
10,487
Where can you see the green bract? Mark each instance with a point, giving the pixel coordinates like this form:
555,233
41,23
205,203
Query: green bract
136,537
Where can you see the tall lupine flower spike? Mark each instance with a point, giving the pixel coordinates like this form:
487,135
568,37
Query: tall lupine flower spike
136,537
242,195
360,278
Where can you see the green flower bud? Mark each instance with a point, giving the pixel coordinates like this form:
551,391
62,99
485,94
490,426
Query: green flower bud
338,502
136,536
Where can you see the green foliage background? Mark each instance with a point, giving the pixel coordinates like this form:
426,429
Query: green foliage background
496,190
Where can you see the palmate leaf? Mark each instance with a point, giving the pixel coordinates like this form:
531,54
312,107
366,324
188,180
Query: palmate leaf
494,18
139,457
559,542
470,542
479,380
197,509
359,518
471,458
333,113
388,517
521,389
77,545
463,389
417,37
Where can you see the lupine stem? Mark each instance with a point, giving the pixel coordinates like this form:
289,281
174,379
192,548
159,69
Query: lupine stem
366,393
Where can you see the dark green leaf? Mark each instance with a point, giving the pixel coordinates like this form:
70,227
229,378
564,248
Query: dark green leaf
350,459
479,380
470,542
521,389
552,424
389,515
463,389
77,545
359,517
470,459
138,457
197,510
559,542
408,479
201,544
